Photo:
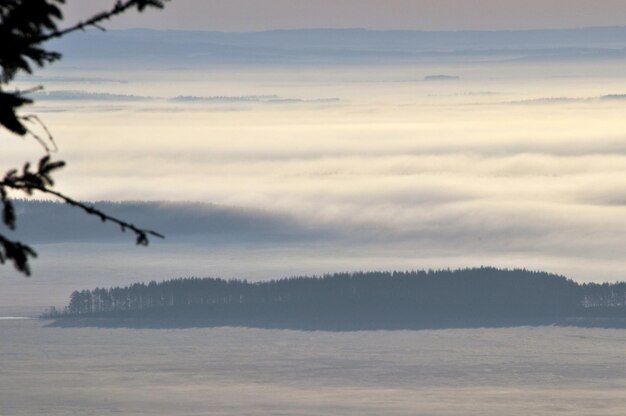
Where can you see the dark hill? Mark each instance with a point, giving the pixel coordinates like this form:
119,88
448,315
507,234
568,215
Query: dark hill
352,301
178,221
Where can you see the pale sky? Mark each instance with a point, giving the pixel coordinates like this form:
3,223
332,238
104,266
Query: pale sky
253,15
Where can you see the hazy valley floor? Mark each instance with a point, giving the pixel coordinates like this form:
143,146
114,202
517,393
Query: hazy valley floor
228,371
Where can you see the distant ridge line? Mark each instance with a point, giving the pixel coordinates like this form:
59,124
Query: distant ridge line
363,29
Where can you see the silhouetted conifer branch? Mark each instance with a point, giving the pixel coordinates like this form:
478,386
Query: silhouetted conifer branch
17,253
120,7
24,26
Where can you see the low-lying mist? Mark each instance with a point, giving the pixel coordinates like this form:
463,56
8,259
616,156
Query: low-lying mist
332,166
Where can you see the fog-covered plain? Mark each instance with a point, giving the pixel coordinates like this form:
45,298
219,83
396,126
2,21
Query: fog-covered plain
517,164
228,371
316,158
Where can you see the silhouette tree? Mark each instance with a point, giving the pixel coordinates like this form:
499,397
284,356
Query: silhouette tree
25,27
362,300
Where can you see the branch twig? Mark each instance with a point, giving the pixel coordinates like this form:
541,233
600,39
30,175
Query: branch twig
35,119
16,252
119,8
141,233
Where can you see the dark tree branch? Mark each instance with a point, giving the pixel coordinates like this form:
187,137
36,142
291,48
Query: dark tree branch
32,118
119,8
140,233
41,181
16,252
24,26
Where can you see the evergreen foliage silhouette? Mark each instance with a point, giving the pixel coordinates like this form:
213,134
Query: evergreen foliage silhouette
25,27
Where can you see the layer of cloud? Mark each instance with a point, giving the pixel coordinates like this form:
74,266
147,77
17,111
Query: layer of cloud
412,173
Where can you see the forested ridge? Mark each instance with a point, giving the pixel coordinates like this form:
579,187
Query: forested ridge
356,299
189,221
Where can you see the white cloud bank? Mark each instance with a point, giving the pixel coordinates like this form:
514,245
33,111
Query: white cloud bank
406,173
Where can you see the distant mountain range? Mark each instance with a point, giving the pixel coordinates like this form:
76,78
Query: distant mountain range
307,46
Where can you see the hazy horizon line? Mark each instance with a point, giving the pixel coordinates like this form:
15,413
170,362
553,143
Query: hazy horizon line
366,29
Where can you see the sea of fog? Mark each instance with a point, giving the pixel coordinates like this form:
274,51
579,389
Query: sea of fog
513,164
518,162
238,371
